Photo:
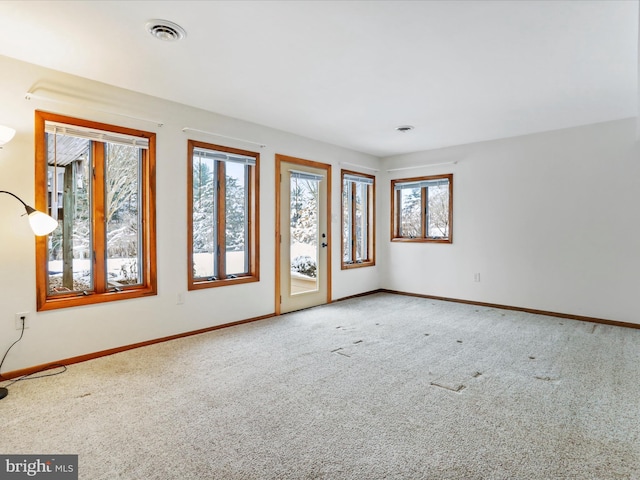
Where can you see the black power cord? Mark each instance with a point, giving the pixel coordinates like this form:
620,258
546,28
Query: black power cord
3,390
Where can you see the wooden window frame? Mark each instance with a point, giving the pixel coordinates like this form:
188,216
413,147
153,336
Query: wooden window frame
253,219
101,292
371,215
395,214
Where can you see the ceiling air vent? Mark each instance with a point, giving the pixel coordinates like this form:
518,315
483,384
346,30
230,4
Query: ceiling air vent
165,30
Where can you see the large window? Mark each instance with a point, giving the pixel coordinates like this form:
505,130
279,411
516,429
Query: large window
422,209
98,181
358,213
223,215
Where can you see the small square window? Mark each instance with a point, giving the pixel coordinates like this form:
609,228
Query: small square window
422,209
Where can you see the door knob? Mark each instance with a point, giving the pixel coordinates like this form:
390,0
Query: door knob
324,245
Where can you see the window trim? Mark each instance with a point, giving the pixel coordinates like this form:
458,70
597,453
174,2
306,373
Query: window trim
395,202
148,193
253,220
371,227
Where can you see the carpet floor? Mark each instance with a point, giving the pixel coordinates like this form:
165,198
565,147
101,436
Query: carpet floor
379,387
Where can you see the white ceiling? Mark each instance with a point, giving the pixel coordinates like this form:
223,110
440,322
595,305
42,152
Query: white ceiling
349,72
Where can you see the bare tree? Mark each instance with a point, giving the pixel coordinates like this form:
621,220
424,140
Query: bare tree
439,211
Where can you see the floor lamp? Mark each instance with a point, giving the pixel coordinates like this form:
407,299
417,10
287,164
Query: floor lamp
41,223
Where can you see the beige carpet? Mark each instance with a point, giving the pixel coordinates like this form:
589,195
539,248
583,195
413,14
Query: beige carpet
379,387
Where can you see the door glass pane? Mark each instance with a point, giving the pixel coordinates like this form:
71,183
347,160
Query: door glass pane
122,215
236,207
204,218
304,234
69,201
410,222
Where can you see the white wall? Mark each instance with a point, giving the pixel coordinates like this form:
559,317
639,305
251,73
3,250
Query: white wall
65,333
551,221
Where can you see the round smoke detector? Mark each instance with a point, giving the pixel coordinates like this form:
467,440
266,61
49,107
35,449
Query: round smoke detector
165,30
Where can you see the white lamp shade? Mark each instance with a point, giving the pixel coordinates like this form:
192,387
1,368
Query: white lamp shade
6,134
41,223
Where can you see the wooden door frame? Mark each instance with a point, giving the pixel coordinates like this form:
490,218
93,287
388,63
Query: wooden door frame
306,163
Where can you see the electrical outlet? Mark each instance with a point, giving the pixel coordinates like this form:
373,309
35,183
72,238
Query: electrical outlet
19,317
476,277
180,299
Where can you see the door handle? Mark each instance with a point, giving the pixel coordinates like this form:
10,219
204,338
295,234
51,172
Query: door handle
324,245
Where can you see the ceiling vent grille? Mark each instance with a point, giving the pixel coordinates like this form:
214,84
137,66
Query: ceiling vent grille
165,30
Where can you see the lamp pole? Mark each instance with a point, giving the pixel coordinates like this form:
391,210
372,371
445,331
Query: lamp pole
41,224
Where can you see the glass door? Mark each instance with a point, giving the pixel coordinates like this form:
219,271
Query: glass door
304,235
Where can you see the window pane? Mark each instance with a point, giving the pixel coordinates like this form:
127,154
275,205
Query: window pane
346,226
236,203
204,217
304,235
361,222
438,211
69,250
122,215
410,218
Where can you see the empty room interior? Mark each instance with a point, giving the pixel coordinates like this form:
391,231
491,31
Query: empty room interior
320,239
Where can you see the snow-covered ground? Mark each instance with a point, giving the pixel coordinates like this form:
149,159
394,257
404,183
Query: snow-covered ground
203,263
